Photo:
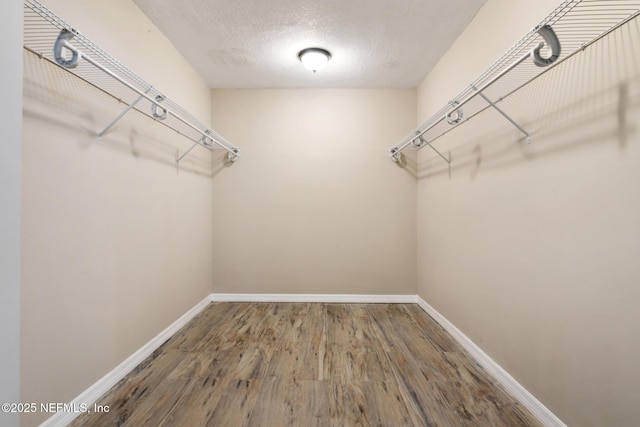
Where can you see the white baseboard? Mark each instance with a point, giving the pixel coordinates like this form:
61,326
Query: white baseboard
513,387
93,393
326,298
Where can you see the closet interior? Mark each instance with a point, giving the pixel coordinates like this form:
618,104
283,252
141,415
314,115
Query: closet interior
259,230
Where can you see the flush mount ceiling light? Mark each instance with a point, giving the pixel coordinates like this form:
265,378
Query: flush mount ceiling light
314,58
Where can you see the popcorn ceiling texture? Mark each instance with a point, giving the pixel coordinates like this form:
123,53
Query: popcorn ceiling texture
254,43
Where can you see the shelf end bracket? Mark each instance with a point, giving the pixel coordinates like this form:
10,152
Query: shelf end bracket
394,154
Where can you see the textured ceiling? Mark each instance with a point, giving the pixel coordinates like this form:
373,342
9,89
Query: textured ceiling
254,43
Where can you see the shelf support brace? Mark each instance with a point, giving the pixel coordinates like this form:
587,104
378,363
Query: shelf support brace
505,115
420,142
120,116
205,141
185,153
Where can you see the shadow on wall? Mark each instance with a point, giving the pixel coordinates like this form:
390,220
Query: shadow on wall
53,95
555,133
409,161
588,99
220,161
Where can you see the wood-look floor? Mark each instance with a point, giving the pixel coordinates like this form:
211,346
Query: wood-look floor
282,364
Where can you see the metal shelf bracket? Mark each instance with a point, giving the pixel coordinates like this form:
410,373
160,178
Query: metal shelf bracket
120,116
420,142
505,115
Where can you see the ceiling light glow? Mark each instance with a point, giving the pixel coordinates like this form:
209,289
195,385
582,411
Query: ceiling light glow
314,58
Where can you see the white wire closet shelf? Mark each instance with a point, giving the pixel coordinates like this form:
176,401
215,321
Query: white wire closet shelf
54,40
570,28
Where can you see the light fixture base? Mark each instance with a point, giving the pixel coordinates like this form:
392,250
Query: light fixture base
314,58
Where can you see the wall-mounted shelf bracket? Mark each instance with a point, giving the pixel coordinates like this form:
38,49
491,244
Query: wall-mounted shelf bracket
120,116
395,154
185,153
505,115
420,142
233,156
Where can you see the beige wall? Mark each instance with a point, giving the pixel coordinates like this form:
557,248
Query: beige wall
10,186
116,241
314,205
532,250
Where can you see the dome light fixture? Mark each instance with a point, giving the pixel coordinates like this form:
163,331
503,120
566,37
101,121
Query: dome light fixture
314,58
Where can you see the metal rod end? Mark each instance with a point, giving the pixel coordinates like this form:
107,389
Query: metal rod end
233,155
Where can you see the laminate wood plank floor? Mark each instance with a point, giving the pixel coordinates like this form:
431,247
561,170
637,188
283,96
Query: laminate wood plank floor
285,364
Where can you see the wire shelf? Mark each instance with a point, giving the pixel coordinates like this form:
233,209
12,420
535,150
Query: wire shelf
83,58
576,24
